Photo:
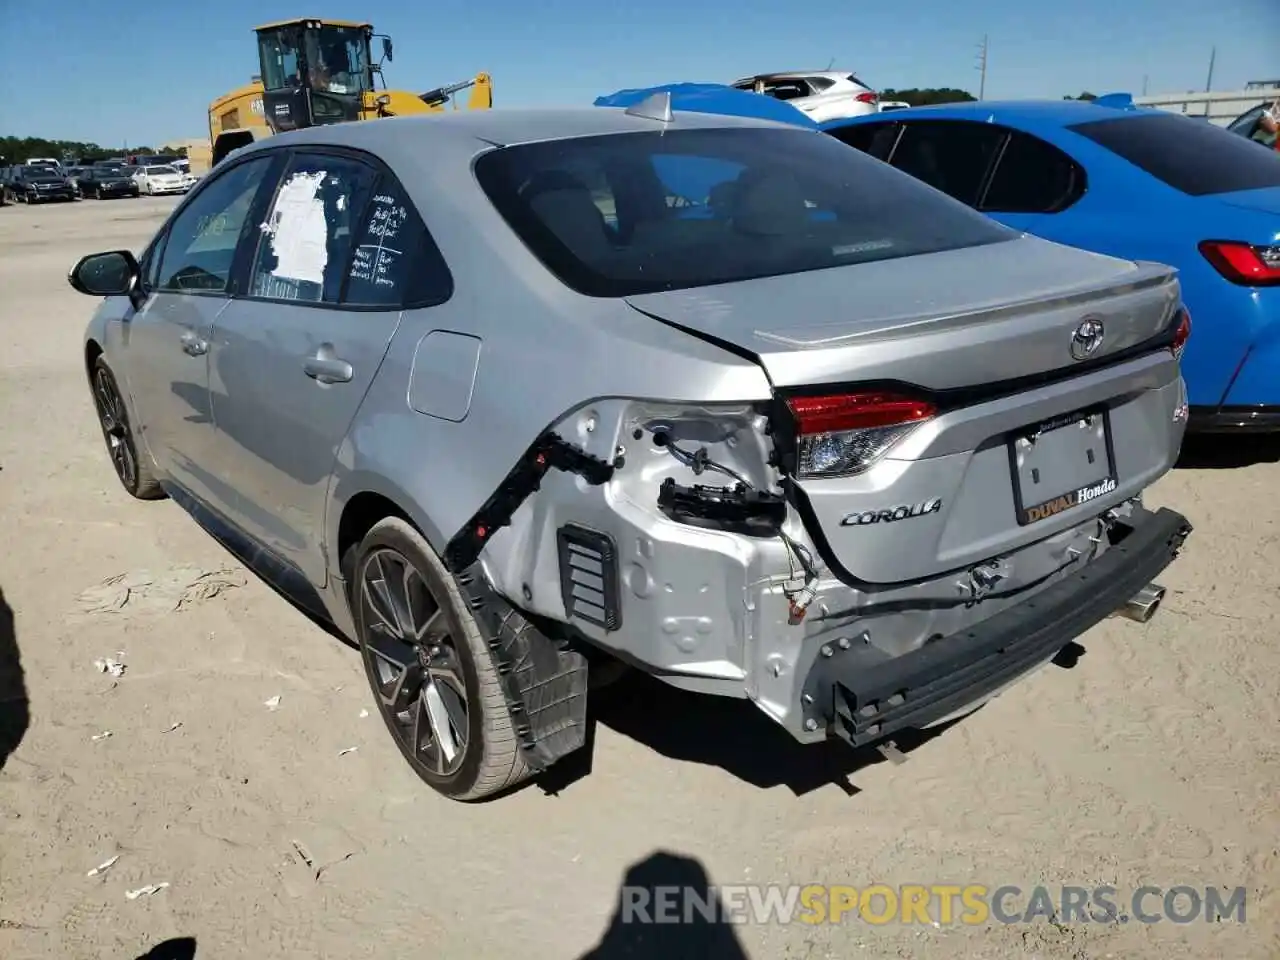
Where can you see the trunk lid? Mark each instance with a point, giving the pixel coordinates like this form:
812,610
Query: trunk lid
942,321
1265,200
961,488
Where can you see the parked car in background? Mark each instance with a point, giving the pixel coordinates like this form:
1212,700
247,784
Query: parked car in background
39,184
160,179
822,94
1129,182
73,175
827,388
1249,124
104,183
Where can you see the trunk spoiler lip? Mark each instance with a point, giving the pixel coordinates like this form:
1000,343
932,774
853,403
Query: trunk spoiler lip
1158,275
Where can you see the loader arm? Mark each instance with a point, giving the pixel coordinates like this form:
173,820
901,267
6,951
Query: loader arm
481,93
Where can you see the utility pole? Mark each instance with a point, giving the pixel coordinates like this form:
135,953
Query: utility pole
1208,84
1144,84
982,68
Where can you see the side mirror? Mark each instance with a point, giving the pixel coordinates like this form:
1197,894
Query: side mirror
386,49
112,274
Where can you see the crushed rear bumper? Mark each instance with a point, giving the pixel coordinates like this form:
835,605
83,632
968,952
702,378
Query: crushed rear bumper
865,702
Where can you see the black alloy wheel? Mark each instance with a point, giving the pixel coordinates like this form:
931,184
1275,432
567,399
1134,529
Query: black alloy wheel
432,674
113,417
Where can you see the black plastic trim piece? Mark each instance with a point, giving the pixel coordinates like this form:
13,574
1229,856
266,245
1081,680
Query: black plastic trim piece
597,548
1258,418
544,681
865,701
548,452
752,513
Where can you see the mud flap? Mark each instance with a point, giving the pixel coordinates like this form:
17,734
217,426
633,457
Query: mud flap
544,681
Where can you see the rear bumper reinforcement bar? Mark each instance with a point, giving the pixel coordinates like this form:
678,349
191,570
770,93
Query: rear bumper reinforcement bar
866,702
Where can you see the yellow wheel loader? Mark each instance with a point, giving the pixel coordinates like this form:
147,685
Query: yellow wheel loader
320,71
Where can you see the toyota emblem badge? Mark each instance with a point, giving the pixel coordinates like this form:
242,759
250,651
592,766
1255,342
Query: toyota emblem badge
1087,339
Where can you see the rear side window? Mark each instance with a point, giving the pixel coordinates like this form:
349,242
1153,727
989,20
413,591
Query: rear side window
1033,177
395,261
1192,156
951,155
618,215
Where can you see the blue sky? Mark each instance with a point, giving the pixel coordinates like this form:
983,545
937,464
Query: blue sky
127,73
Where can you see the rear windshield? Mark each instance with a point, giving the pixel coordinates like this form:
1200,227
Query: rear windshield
1193,156
618,215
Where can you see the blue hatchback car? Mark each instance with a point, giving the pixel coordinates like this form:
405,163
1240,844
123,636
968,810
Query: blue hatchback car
1130,182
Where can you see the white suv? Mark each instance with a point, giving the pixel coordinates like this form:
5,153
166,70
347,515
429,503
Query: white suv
822,94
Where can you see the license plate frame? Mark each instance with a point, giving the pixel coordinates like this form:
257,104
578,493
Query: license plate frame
1086,479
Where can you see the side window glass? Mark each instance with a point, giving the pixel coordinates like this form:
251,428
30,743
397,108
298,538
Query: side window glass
951,155
202,241
395,261
1033,177
873,138
308,234
1245,123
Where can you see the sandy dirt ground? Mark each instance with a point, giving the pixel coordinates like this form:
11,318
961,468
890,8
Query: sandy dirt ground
1153,760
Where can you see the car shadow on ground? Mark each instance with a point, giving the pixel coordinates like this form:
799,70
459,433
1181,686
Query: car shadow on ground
1225,452
721,732
179,948
734,736
15,711
637,928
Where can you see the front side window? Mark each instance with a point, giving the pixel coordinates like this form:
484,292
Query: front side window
338,60
951,155
876,139
787,89
308,234
1192,156
626,214
1033,177
203,238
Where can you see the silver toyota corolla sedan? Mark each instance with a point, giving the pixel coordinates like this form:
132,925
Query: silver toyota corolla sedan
514,397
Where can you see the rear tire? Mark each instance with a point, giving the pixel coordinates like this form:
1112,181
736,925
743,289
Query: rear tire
433,677
134,474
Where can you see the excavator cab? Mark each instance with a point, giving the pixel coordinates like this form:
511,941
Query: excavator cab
315,72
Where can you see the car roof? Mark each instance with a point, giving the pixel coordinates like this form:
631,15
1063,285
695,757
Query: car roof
798,74
500,127
1017,113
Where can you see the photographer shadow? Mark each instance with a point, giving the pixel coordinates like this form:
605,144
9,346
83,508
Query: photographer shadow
667,879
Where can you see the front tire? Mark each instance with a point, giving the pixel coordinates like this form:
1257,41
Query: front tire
134,474
433,678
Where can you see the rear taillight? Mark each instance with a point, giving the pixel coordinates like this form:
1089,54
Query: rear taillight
870,97
1244,263
844,434
1182,333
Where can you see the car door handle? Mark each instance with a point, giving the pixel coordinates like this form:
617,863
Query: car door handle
327,369
193,346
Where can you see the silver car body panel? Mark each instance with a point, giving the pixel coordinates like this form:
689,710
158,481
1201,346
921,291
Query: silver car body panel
446,399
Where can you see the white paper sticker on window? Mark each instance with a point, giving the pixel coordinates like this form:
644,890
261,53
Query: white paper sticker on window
298,229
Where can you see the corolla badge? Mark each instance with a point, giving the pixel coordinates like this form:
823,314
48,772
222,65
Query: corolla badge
1087,339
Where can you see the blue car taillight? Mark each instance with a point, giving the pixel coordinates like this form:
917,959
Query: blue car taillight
1244,263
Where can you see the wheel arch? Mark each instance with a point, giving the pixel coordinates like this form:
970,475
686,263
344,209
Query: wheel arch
92,351
361,509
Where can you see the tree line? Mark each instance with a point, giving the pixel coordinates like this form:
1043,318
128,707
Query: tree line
22,149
